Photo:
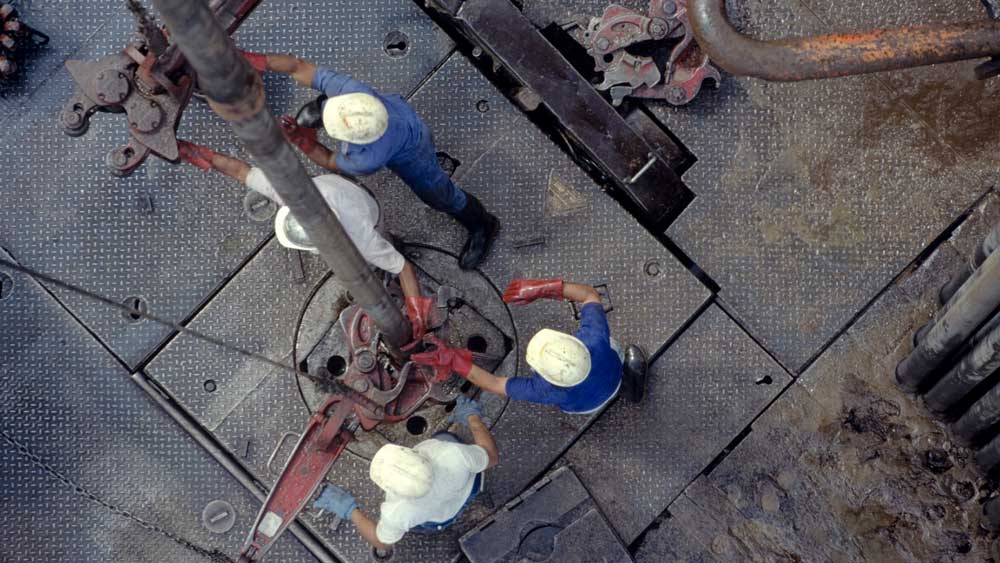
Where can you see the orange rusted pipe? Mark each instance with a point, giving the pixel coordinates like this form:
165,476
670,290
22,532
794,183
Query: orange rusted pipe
830,56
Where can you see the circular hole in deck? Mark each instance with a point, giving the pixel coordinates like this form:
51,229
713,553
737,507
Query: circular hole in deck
477,343
6,286
210,386
336,365
416,425
396,44
137,308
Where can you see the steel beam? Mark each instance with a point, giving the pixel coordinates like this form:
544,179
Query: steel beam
619,152
236,93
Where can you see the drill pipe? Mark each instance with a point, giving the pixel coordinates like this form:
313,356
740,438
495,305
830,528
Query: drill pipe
830,56
963,316
236,93
989,244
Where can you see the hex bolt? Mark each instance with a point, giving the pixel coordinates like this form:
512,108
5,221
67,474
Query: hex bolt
669,7
6,286
603,43
676,95
360,385
652,268
218,517
119,159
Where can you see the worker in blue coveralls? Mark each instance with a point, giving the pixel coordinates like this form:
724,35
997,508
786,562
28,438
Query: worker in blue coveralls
579,373
378,131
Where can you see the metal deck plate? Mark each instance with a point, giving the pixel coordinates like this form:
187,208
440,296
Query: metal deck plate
804,215
555,520
701,393
254,406
170,234
510,165
78,421
523,179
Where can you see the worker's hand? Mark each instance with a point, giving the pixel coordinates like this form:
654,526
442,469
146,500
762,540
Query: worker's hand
464,408
418,310
195,154
336,500
445,359
257,60
522,292
302,137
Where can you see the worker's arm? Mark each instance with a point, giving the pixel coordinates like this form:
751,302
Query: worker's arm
580,293
366,527
207,159
305,139
324,157
522,292
481,437
487,381
408,281
302,71
232,167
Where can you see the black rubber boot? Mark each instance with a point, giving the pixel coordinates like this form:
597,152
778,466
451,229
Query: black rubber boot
634,369
311,114
482,227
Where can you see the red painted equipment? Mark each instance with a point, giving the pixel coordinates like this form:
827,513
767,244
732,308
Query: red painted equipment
371,391
149,81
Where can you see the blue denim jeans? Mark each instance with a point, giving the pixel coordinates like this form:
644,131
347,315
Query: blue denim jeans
418,167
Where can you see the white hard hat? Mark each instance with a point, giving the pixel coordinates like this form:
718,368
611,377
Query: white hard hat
356,118
290,233
561,359
401,471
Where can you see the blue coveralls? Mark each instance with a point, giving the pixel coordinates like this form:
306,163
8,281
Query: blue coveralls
602,382
406,148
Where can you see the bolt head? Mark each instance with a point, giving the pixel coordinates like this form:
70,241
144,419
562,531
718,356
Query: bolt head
603,43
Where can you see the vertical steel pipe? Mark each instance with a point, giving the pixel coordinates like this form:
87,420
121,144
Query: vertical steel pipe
829,56
981,416
983,250
988,456
962,318
236,93
975,367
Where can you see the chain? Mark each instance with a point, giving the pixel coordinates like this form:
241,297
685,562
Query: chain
82,491
150,317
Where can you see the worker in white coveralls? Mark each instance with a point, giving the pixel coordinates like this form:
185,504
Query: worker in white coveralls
354,206
426,487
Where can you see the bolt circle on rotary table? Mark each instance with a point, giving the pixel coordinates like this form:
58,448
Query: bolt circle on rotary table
320,345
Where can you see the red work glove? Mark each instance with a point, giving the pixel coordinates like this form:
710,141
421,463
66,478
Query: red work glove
445,360
196,154
257,60
302,137
418,309
522,292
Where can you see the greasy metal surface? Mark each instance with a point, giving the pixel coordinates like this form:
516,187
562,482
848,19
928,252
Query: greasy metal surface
710,383
555,520
593,241
830,56
169,234
465,324
598,131
253,406
803,215
508,164
844,466
69,403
